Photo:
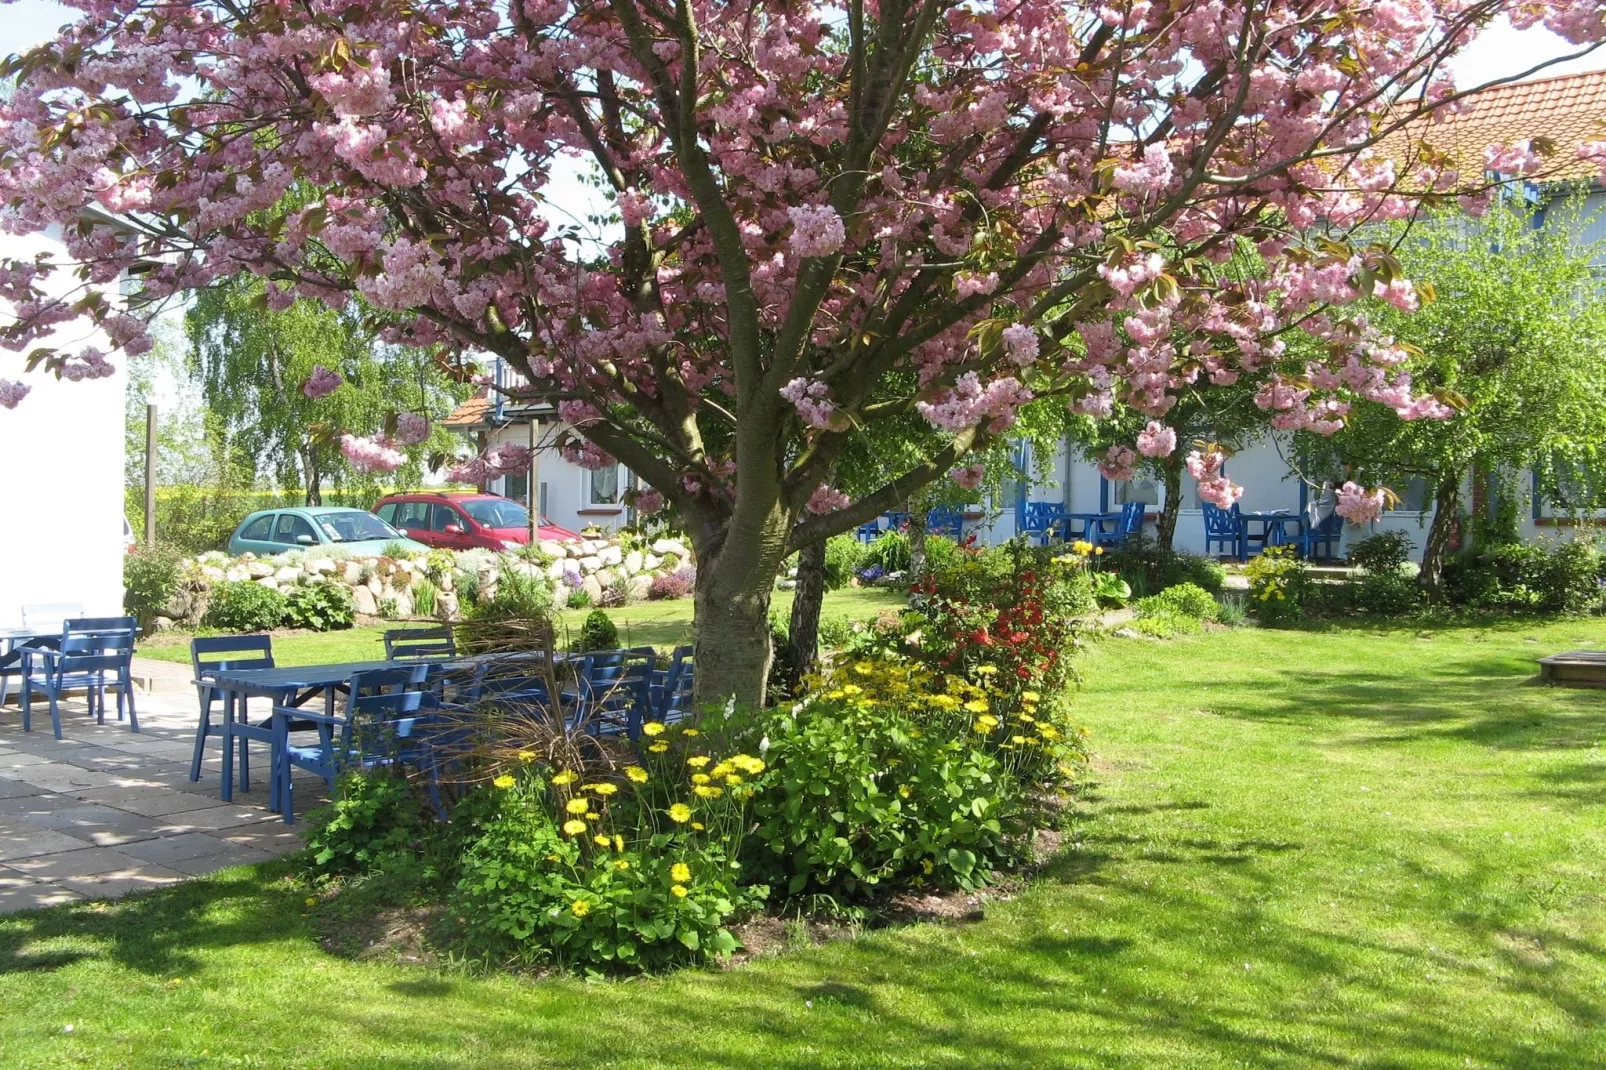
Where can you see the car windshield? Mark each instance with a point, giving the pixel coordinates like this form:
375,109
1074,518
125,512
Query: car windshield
496,512
354,527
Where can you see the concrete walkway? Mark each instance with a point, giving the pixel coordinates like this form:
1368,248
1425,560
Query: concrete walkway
104,811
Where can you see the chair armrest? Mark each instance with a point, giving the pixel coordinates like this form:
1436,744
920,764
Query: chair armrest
300,713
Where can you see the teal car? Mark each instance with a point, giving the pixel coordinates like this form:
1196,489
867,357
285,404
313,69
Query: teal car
274,531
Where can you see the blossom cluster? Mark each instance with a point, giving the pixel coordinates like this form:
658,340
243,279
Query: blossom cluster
371,453
321,383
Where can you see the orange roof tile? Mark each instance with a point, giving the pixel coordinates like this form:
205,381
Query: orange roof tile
470,413
1567,109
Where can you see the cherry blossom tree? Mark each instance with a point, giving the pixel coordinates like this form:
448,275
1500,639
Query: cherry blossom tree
810,197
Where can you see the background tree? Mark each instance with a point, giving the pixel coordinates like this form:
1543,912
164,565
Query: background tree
254,365
1517,328
810,198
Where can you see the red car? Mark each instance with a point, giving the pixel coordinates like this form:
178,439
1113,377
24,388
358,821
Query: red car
463,521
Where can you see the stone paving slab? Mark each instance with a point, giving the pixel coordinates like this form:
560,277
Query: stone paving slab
104,811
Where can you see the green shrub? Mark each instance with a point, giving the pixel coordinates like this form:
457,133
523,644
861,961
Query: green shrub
244,607
1232,612
1166,624
1382,554
1533,576
322,606
859,795
1569,582
1386,594
1185,600
370,825
844,556
579,598
426,597
1278,585
942,553
194,519
150,579
598,632
519,596
1151,570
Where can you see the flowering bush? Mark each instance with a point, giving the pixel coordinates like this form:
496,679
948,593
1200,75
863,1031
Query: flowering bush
1277,585
634,868
244,607
677,584
1185,599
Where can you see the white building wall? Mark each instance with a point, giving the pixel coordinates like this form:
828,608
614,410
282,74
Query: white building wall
61,475
567,485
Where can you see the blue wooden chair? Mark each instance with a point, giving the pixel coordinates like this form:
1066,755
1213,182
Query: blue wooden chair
1126,527
1043,521
672,687
385,724
945,521
85,660
41,618
13,662
614,696
218,653
1225,528
868,532
1322,540
406,644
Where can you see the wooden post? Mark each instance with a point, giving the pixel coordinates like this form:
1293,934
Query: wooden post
535,481
150,477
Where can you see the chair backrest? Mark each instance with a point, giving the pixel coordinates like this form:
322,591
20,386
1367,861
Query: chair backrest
1219,522
1040,516
1330,526
434,642
50,614
945,521
231,652
387,704
1132,514
675,700
93,652
98,625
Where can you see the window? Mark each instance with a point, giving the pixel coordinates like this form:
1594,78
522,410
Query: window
1414,496
356,526
293,530
602,486
260,529
497,513
1136,490
1571,491
387,512
413,515
516,486
442,515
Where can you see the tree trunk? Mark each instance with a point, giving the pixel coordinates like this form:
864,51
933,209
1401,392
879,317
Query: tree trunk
1165,532
917,543
1446,514
803,637
736,572
314,479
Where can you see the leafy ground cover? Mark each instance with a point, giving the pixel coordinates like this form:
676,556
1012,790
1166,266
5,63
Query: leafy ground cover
1368,847
661,624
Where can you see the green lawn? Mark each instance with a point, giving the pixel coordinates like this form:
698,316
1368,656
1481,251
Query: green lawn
660,624
1341,848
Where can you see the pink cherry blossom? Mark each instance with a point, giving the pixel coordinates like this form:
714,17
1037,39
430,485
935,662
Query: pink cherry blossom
1020,345
1359,505
587,455
969,476
371,454
811,399
411,428
816,230
1157,440
1119,464
11,392
649,501
321,383
827,499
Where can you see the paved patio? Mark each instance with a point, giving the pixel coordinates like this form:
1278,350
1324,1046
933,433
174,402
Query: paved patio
104,812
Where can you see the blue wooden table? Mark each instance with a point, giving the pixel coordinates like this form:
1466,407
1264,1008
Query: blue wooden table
1273,526
287,686
1090,524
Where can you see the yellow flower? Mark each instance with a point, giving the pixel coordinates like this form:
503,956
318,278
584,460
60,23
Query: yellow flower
526,755
580,908
697,761
1098,551
1017,740
732,779
1029,696
925,864
691,732
704,791
1048,731
618,842
592,814
1027,718
903,791
944,702
621,865
986,670
659,747
748,764
601,789
700,778
652,728
578,806
680,813
678,891
574,826
504,781
680,873
602,841
565,777
636,773
697,825
1082,546
720,771
852,689
977,705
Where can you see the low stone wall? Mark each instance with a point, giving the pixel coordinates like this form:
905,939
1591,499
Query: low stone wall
382,585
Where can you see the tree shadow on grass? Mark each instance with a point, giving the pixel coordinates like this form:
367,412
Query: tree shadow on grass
157,933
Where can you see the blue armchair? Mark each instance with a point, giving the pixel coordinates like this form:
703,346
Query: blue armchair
1224,528
1321,540
1128,526
90,651
1043,521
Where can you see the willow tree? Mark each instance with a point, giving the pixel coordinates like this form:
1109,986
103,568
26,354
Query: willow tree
811,197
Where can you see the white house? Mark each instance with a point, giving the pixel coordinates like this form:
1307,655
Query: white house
62,480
